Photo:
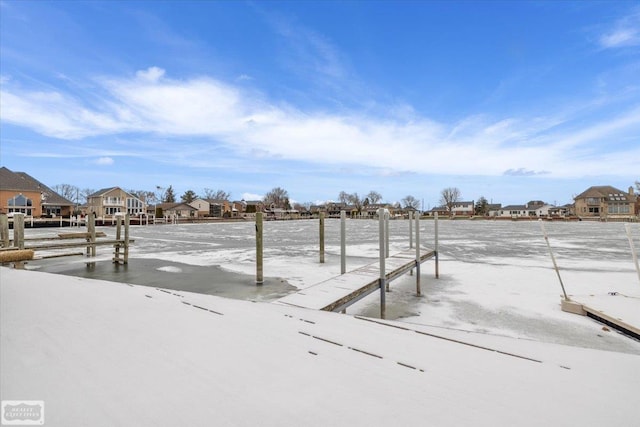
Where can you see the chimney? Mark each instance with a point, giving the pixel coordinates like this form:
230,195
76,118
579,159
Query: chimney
631,190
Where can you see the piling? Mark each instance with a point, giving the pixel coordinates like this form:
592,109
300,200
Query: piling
259,268
435,225
343,242
116,252
553,259
4,230
418,292
91,239
18,230
634,255
383,279
321,231
386,233
127,222
410,230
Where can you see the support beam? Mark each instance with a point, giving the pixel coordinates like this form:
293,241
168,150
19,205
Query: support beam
4,230
321,231
436,246
418,292
343,242
383,280
18,230
259,266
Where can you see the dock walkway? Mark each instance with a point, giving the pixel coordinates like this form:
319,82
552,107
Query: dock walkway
339,292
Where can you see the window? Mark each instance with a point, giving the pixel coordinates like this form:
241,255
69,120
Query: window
20,200
593,201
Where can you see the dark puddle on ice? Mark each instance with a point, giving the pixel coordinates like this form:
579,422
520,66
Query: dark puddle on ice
211,280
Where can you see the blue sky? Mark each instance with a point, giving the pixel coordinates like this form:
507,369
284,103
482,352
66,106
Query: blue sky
513,101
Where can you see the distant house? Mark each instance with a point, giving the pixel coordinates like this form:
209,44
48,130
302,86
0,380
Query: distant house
212,207
440,210
107,202
463,208
178,210
605,201
20,192
514,211
493,209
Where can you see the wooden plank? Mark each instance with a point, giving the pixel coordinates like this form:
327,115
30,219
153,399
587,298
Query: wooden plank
341,291
80,235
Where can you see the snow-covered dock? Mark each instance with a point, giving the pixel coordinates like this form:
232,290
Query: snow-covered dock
339,292
619,311
102,353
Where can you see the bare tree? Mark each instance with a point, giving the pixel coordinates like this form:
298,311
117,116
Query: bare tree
216,194
343,197
355,200
85,193
374,197
638,186
68,191
278,196
449,196
411,202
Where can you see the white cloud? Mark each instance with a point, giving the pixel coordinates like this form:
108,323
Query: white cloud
625,33
104,161
251,196
151,74
221,114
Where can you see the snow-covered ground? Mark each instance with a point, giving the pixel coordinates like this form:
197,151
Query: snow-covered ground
495,276
486,345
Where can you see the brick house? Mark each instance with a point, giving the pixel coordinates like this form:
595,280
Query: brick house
605,201
20,192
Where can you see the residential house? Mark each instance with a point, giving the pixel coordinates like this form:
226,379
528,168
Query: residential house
605,201
493,209
463,208
107,202
212,207
178,210
514,211
440,210
20,192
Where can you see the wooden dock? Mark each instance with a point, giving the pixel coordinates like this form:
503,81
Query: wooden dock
337,293
616,310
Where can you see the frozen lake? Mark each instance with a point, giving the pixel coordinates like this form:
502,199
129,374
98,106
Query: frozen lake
495,276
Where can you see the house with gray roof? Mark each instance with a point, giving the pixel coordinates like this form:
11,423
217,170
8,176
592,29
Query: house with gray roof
20,192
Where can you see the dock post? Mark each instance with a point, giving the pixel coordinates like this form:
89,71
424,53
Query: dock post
436,245
18,230
410,230
343,242
321,237
418,255
116,246
259,269
386,234
633,249
4,230
127,222
383,278
91,240
553,259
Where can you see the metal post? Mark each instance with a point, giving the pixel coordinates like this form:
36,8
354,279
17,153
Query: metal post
4,230
386,233
633,249
321,237
343,242
553,259
410,229
259,269
418,255
383,279
436,245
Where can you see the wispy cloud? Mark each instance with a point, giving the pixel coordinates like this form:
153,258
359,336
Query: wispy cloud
104,161
205,115
625,32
